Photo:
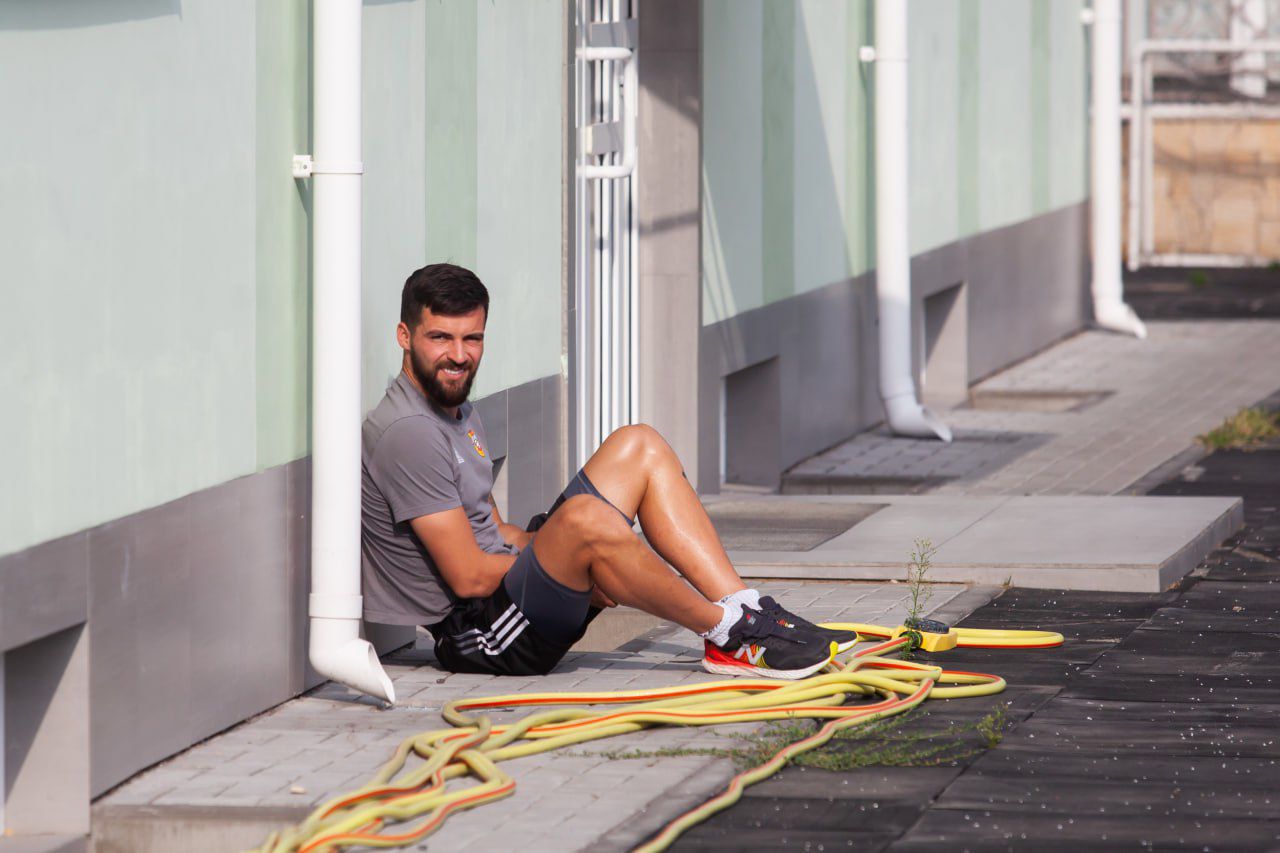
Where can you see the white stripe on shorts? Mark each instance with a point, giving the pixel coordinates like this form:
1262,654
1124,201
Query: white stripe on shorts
501,634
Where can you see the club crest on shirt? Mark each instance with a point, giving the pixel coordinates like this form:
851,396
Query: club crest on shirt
471,434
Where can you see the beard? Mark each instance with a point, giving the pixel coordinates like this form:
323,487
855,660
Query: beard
429,377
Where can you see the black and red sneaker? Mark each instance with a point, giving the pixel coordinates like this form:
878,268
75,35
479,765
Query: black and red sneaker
767,648
844,640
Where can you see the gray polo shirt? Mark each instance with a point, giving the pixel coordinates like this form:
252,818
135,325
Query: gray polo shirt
417,460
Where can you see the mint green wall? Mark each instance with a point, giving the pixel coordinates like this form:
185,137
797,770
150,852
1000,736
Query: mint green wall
821,154
998,134
487,192
128,209
519,53
732,192
153,245
282,315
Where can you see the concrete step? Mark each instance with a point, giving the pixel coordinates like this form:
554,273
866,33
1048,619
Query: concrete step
1114,543
186,827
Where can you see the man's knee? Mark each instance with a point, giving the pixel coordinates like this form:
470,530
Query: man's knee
639,441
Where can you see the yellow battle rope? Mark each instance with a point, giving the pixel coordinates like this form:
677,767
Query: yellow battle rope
412,803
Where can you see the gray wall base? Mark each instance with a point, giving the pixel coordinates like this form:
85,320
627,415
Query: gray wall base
1024,286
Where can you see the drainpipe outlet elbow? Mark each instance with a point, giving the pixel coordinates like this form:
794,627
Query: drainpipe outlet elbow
907,417
1119,317
348,659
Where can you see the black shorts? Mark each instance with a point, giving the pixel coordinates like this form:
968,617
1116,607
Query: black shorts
529,622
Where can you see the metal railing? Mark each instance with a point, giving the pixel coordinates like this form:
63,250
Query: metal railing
1142,112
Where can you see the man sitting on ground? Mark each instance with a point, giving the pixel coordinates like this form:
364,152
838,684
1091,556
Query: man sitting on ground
504,601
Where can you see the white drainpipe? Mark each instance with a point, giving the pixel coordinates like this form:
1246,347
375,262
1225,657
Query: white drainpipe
903,411
1109,308
336,650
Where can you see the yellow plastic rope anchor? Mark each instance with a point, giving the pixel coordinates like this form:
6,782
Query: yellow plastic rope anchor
415,802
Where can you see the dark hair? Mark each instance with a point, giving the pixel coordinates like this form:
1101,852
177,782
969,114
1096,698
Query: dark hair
446,289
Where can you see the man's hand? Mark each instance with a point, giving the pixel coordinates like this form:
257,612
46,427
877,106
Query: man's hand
511,534
599,599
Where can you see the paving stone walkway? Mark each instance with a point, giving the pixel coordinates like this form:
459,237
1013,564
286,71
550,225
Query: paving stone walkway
1159,394
330,741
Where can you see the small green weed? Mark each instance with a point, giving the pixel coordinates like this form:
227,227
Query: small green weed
918,564
1244,429
1199,279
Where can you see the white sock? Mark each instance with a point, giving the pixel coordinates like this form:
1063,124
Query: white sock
719,635
744,598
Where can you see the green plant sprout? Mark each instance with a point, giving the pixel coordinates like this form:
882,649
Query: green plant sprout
918,564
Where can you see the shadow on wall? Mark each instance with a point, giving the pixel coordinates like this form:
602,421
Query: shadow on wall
69,14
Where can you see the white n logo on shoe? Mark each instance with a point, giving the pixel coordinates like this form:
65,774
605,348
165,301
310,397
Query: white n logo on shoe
751,654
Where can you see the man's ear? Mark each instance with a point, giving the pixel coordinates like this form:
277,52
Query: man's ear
403,336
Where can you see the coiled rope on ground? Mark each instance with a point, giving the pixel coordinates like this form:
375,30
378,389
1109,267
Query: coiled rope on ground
402,804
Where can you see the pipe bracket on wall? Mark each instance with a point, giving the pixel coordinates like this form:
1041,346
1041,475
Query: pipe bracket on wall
305,167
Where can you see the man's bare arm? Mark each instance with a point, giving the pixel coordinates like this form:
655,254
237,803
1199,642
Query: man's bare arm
469,571
511,534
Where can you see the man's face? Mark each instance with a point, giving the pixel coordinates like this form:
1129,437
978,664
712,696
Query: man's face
444,354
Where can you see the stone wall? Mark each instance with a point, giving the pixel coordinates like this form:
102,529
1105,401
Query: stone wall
1216,187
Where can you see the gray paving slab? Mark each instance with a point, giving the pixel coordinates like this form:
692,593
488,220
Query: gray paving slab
888,536
309,749
1112,543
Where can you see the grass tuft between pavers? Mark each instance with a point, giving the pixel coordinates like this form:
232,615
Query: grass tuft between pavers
1245,429
882,743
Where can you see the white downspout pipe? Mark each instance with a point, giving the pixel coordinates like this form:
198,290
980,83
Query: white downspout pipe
903,411
1109,308
336,650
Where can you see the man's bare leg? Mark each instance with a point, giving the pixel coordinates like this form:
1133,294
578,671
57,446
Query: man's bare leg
639,473
586,542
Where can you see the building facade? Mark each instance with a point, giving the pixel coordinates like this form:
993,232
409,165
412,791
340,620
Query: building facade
155,342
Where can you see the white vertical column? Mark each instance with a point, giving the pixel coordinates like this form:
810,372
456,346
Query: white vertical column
583,300
1249,70
605,370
